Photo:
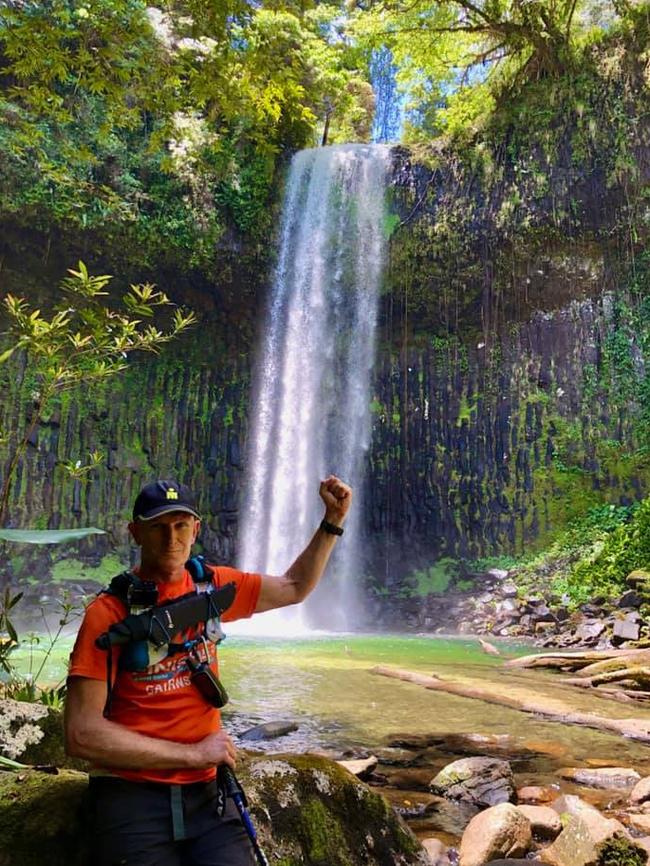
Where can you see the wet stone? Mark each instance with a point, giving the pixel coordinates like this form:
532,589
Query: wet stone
631,598
481,781
269,731
606,777
590,631
625,630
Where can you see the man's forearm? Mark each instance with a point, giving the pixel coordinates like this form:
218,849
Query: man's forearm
305,572
109,744
308,568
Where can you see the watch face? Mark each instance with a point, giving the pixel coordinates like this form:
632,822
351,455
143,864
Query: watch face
213,631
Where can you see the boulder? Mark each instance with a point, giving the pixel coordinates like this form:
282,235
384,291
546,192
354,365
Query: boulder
394,757
638,579
269,731
500,831
590,839
506,607
638,822
307,811
536,794
542,613
590,631
631,598
605,777
446,816
544,821
360,767
436,850
641,791
624,630
482,781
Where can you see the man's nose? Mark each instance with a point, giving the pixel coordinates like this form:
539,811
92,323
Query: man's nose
169,534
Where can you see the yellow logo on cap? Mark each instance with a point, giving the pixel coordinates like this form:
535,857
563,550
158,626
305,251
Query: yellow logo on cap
172,494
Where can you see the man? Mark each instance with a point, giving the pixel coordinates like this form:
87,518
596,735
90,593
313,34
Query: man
153,795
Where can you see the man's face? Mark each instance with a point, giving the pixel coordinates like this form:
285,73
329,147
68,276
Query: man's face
165,541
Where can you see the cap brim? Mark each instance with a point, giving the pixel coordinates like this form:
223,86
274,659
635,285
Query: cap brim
167,509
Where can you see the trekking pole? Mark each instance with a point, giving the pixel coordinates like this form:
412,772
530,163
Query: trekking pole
235,790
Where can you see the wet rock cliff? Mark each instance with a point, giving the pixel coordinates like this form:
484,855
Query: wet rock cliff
510,386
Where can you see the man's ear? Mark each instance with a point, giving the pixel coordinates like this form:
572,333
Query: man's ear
134,529
197,527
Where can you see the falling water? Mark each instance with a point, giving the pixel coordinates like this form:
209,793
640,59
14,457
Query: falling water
311,412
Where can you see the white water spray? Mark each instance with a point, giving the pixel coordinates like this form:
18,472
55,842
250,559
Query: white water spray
311,412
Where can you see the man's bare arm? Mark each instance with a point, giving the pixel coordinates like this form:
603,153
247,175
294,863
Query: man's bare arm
90,736
303,575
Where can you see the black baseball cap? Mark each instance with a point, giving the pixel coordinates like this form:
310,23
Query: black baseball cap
163,497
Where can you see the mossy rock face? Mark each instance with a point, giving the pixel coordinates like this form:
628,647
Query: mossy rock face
41,819
308,811
311,812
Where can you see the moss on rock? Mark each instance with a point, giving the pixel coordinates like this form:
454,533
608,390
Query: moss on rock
620,851
311,812
40,819
308,812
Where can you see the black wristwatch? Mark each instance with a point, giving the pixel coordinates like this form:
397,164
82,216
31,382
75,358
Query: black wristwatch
330,528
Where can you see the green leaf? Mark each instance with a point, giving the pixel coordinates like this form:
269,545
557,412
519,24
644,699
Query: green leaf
13,765
14,601
47,536
11,631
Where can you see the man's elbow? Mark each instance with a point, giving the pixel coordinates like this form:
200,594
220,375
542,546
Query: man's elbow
74,742
294,591
78,739
300,594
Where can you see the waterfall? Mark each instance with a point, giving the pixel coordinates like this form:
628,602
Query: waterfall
310,414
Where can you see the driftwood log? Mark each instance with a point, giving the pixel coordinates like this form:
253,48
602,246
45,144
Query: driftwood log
629,669
523,699
576,660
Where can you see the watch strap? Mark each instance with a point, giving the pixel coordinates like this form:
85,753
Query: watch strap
331,528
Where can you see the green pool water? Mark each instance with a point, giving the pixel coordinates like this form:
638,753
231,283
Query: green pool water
325,685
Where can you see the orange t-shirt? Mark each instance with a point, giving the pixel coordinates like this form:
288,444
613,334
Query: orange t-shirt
159,701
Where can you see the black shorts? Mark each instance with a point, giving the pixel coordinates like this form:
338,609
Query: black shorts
148,824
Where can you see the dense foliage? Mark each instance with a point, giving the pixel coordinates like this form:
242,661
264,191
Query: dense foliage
589,560
164,126
458,59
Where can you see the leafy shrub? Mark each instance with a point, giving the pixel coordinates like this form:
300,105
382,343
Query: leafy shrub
619,547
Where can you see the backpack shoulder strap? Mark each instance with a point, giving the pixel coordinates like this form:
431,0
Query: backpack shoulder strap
207,580
132,590
201,572
120,585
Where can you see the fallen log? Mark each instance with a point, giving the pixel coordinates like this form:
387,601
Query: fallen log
521,699
635,674
577,660
610,664
625,696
